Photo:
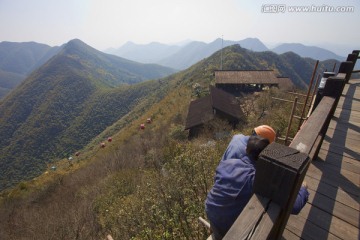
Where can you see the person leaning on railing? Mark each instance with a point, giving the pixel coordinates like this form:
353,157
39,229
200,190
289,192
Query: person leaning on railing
234,180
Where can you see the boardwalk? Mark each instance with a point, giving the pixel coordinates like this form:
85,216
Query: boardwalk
332,211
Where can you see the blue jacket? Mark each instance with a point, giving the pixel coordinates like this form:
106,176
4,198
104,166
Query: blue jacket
233,186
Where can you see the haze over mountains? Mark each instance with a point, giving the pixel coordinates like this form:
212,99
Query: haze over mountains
65,103
307,51
17,60
80,91
181,57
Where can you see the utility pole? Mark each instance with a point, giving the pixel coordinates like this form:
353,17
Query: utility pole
222,44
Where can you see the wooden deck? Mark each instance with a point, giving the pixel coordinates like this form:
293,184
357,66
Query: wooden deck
332,211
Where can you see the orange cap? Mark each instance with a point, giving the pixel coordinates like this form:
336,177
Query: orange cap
266,131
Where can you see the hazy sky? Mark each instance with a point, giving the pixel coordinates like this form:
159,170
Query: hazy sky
111,23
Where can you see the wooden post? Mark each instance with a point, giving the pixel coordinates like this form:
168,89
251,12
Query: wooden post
352,57
334,67
308,93
280,172
249,217
313,95
320,89
277,170
347,68
290,120
333,88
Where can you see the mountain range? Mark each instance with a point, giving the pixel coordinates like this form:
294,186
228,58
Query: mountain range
65,103
17,60
181,57
307,51
80,92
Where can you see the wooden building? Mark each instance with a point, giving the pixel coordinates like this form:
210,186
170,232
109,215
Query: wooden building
235,82
218,104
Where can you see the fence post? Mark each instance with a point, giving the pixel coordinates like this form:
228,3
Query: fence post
320,91
347,68
280,172
290,120
333,88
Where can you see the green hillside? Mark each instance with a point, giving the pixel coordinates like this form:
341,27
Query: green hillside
8,81
21,58
17,60
64,104
145,184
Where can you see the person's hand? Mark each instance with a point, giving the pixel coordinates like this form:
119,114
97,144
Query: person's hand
304,184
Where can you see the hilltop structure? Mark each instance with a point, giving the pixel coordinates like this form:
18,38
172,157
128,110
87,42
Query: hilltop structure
238,81
218,104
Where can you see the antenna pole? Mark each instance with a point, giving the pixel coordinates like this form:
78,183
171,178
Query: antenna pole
222,44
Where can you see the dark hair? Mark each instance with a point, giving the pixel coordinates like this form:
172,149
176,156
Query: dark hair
255,145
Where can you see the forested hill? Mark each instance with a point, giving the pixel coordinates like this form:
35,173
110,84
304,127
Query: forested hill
79,93
64,104
289,64
17,60
145,184
115,70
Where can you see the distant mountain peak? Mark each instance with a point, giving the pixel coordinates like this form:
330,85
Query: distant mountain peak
307,51
77,43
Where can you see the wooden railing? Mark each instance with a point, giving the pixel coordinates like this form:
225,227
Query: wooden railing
348,66
281,170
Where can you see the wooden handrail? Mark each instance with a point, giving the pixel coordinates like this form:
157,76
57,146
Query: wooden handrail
266,214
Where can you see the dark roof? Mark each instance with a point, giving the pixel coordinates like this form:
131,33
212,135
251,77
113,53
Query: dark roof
285,83
225,102
246,77
202,109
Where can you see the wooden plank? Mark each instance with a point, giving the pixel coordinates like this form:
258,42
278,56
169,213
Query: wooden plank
346,115
334,171
354,81
326,221
349,112
339,161
326,189
335,179
351,87
289,235
348,152
308,230
342,130
351,127
308,133
344,123
347,143
248,218
334,208
347,103
351,92
350,146
267,222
